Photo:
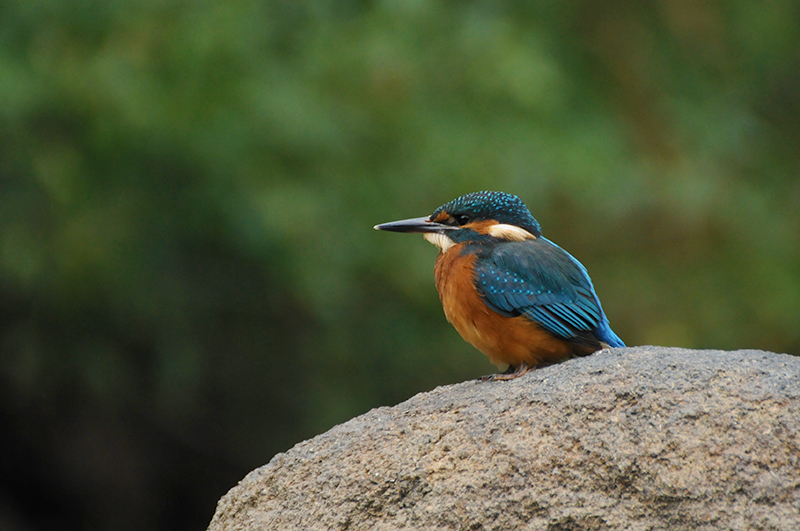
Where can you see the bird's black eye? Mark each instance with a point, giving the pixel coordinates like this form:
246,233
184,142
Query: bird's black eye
461,219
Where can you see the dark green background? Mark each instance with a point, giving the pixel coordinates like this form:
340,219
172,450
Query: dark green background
189,279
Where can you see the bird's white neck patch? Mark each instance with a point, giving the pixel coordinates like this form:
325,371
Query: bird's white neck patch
510,232
441,241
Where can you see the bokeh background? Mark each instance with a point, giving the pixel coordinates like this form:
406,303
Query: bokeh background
189,279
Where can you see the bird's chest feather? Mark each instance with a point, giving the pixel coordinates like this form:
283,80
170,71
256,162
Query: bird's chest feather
455,282
463,306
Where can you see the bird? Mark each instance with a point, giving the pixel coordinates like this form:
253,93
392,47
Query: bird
510,292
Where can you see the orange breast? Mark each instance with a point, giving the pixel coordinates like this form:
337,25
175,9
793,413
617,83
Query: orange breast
505,340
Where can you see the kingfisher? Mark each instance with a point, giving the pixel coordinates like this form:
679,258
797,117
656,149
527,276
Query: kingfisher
510,292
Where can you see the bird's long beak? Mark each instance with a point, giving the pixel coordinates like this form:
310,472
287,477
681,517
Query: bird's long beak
414,225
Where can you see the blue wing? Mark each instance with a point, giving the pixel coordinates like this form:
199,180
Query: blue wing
541,281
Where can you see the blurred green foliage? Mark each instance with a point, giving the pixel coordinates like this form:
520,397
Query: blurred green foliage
189,279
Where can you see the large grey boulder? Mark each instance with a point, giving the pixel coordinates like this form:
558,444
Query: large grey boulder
638,438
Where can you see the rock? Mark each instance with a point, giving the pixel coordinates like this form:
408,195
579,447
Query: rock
638,438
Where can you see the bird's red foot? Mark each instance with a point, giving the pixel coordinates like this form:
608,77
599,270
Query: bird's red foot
510,374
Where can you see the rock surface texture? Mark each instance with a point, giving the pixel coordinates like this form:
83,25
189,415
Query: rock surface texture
638,438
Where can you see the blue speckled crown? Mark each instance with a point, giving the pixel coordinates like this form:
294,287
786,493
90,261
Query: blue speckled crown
500,206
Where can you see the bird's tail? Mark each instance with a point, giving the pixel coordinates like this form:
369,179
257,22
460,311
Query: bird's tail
606,335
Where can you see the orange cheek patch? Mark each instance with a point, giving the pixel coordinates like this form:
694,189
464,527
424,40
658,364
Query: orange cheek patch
503,231
481,227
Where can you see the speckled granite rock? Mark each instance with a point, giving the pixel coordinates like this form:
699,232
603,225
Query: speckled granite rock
639,438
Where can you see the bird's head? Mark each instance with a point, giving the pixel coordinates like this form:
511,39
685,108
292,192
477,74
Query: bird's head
475,216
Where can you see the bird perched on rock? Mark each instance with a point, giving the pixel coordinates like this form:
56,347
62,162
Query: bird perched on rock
512,293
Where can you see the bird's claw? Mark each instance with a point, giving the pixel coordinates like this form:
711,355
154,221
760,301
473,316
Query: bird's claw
510,374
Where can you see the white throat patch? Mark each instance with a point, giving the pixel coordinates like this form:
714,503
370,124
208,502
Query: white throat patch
441,241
